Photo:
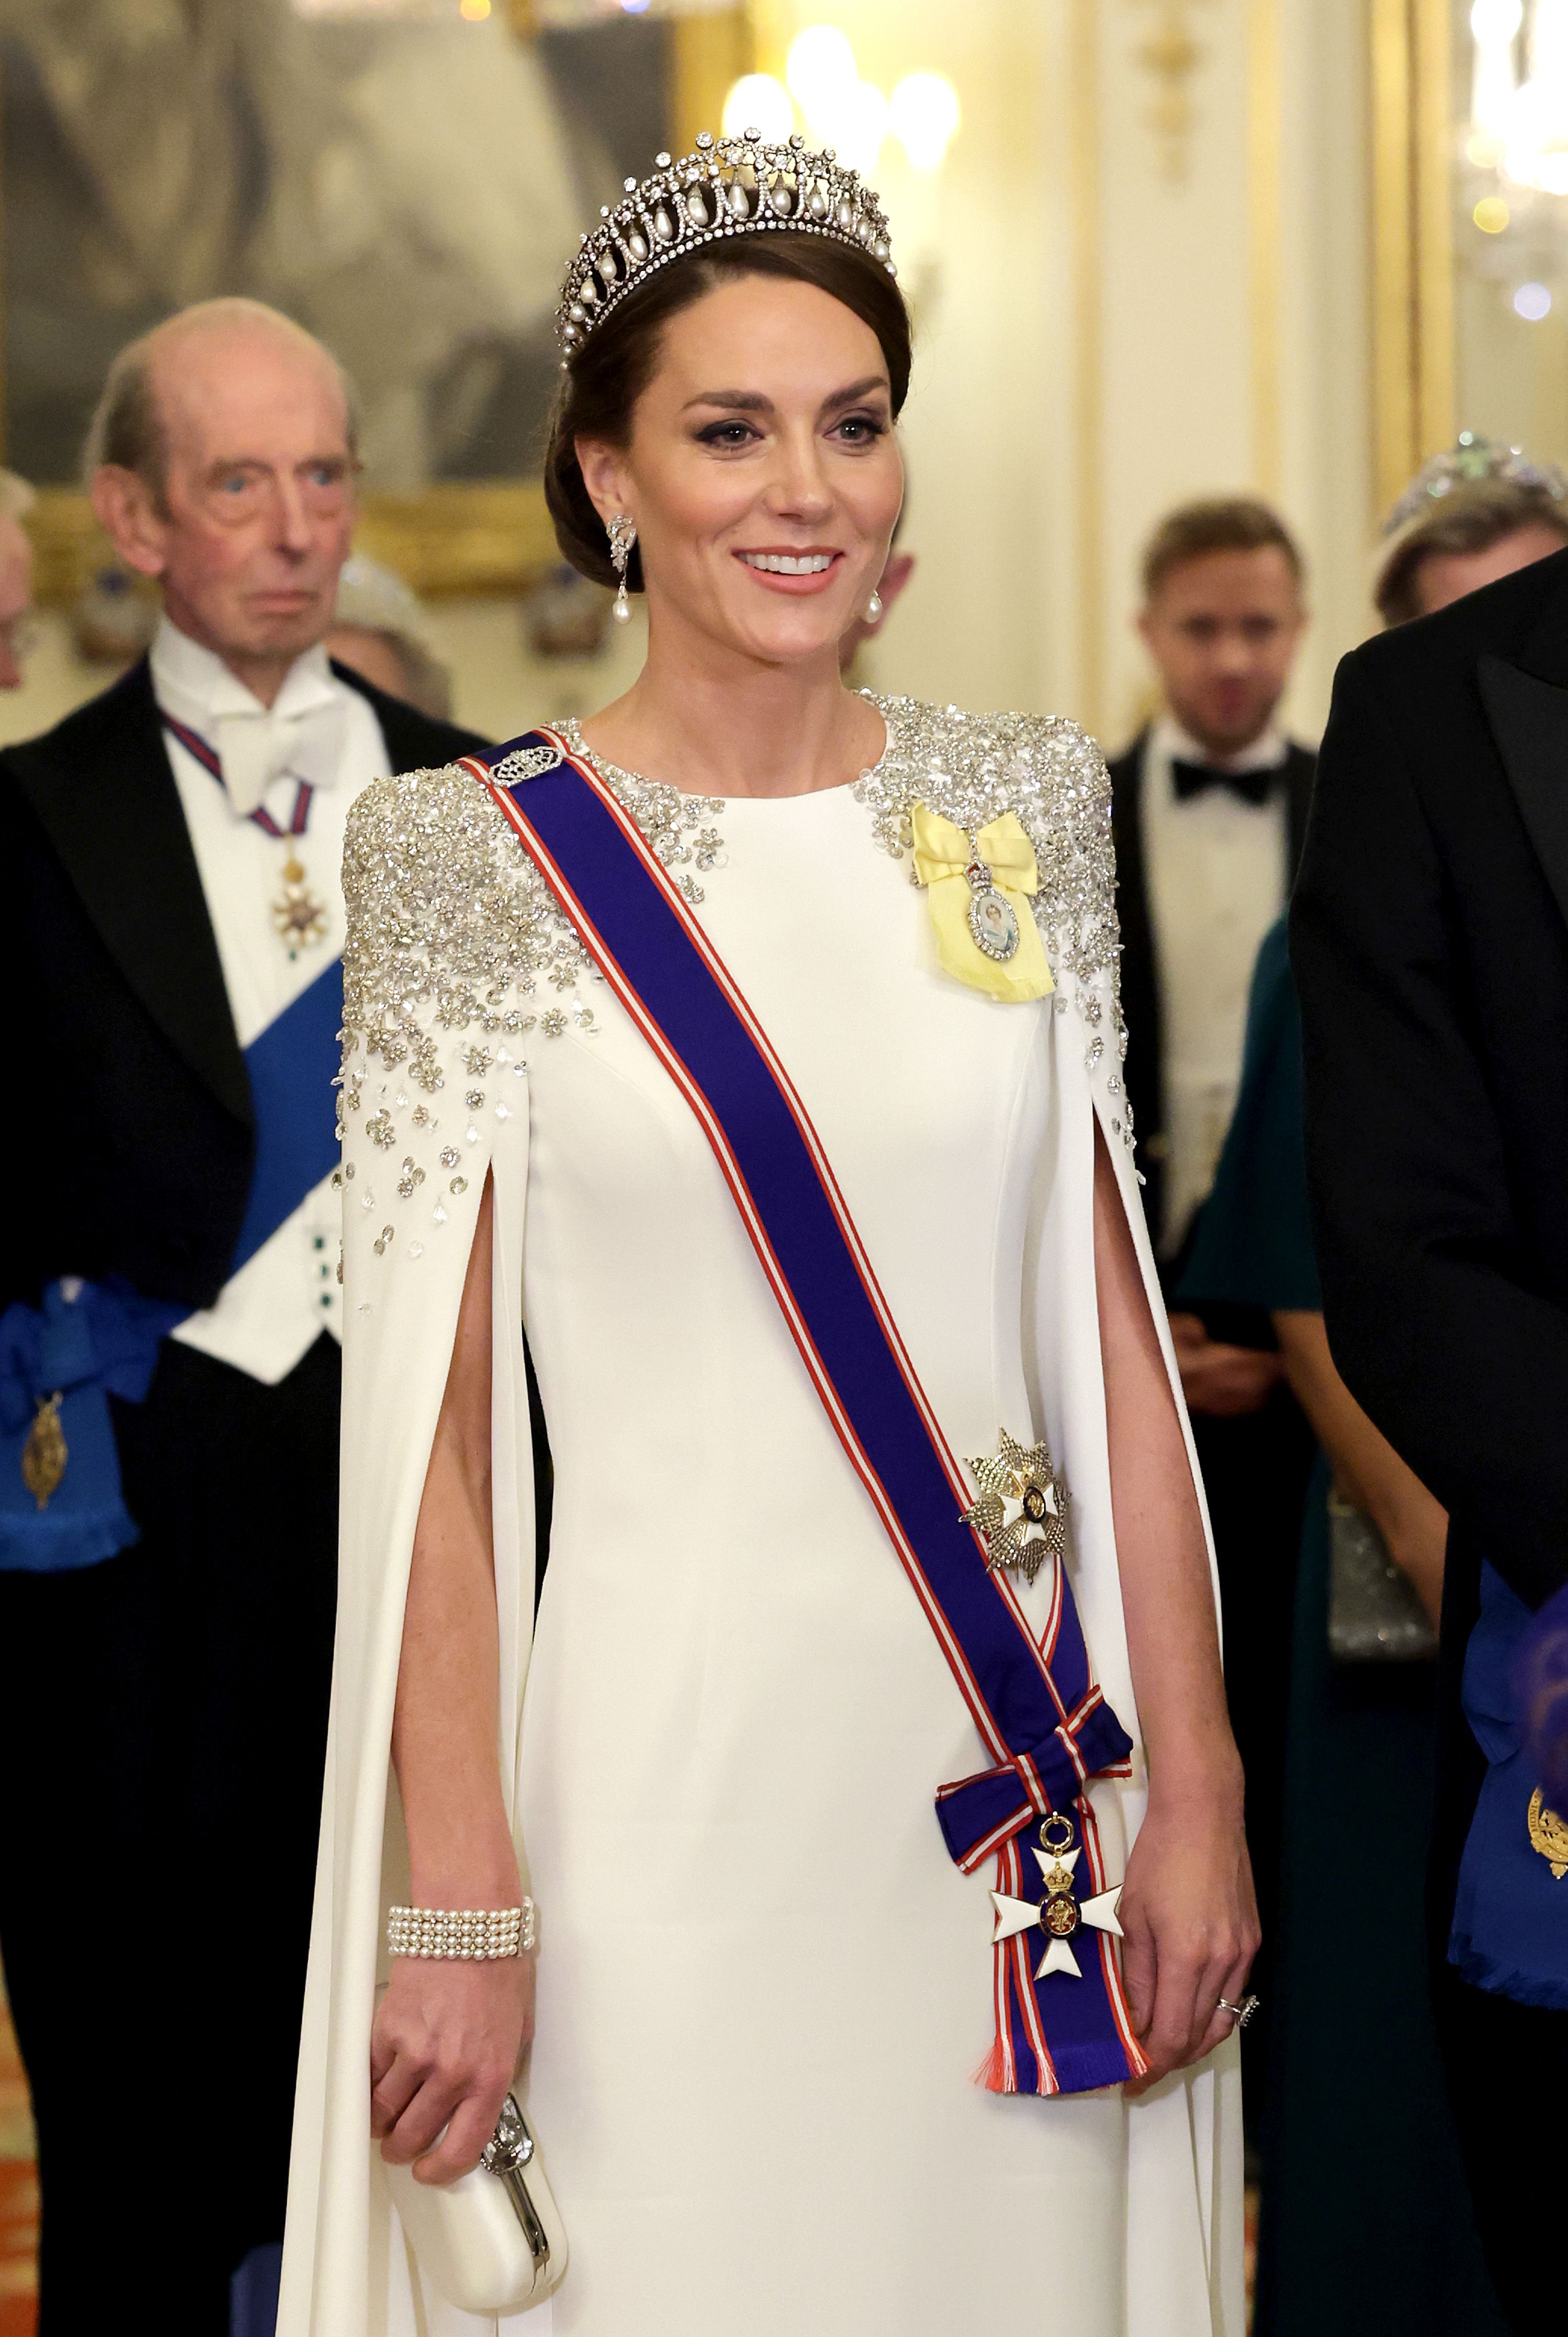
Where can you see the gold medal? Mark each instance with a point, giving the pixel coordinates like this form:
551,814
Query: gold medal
46,1452
1548,1834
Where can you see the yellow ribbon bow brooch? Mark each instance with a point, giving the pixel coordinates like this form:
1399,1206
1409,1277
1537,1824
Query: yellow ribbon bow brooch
979,887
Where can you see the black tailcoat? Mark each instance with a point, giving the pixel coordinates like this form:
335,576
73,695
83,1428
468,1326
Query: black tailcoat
1141,1000
162,1716
113,967
1429,937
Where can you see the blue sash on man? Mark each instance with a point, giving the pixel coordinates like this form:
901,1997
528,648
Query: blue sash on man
1509,1928
60,1361
1040,1715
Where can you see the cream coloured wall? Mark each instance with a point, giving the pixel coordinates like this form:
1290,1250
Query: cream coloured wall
1231,312
1094,341
1105,340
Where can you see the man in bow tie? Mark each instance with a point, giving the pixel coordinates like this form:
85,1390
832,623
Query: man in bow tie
1210,809
172,911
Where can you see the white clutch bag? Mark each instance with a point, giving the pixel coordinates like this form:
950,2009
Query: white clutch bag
492,2242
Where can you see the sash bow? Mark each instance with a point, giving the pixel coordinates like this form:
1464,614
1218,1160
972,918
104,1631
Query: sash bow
977,1815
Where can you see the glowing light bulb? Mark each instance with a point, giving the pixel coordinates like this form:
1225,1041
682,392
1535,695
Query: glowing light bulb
759,101
925,113
1493,22
474,12
821,72
1490,214
854,124
1532,301
1549,44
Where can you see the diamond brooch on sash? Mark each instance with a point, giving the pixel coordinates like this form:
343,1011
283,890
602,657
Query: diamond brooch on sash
1022,1512
299,918
1061,1913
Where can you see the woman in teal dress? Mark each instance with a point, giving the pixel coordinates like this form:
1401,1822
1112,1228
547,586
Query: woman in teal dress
1366,2224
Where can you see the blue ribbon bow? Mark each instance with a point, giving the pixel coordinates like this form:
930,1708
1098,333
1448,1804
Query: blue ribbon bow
87,1342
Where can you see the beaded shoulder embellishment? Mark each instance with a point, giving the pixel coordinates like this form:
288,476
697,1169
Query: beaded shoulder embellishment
451,925
972,768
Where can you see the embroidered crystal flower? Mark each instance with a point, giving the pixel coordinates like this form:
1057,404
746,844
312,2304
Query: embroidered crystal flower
1022,1512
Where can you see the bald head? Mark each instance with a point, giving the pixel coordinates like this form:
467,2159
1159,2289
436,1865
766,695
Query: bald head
130,426
220,462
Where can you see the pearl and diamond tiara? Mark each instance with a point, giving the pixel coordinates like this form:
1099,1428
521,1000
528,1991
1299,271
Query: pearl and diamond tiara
728,186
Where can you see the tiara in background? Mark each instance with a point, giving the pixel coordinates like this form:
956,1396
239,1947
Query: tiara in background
1473,459
728,186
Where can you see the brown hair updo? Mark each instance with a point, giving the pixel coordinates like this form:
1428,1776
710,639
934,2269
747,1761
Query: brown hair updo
1476,515
603,381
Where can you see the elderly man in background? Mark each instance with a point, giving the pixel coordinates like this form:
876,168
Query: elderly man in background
171,911
15,574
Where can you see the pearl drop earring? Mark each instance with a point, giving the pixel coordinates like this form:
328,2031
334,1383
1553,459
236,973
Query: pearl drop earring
873,608
622,531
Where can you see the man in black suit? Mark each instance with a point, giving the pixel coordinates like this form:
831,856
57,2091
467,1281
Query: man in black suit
1209,806
1429,937
171,917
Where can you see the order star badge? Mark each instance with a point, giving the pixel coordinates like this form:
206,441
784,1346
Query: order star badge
1022,1512
1061,1913
299,918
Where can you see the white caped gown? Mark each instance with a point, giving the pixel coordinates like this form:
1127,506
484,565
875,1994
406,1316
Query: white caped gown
764,1988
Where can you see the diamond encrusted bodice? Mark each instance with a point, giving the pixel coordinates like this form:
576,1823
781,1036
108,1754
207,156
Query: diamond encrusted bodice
452,929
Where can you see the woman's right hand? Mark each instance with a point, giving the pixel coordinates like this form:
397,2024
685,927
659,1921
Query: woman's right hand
444,2050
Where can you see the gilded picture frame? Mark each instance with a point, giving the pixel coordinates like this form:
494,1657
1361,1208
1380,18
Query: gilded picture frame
1410,81
484,537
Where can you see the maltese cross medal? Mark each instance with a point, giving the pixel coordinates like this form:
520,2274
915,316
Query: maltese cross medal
1061,1913
1022,1512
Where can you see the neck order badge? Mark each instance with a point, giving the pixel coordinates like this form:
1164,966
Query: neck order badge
1041,1716
300,919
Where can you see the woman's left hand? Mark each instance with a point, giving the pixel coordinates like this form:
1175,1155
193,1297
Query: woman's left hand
1191,1920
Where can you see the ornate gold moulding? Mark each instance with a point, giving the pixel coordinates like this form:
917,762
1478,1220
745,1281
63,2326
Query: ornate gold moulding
444,541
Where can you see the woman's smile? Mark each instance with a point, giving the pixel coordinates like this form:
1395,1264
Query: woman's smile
794,572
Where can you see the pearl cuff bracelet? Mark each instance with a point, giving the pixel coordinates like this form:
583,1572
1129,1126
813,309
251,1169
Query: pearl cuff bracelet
478,1935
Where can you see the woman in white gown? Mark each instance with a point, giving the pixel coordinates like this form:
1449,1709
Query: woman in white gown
763,1986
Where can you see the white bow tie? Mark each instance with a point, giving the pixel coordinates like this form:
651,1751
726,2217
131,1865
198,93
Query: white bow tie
257,748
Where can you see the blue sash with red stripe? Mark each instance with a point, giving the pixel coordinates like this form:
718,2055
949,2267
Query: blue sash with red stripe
1041,1718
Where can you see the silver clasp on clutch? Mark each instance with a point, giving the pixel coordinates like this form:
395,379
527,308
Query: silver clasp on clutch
507,2154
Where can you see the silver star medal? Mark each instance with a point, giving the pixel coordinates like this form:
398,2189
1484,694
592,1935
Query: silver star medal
1061,1913
1022,1513
299,918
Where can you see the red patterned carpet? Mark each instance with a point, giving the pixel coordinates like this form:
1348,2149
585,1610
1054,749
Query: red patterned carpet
18,2193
